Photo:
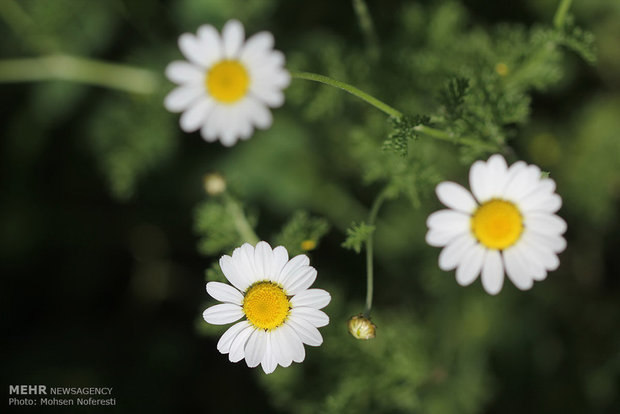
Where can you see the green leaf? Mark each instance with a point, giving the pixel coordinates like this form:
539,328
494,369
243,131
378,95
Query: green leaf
452,96
302,233
357,235
216,228
402,132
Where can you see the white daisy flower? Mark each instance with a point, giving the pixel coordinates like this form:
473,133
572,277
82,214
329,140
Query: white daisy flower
271,293
227,86
508,225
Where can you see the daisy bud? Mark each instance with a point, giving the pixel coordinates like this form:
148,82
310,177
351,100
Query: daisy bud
308,245
361,327
501,69
214,184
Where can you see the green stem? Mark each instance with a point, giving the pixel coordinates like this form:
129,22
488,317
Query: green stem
25,29
368,27
423,129
80,70
244,228
446,136
351,89
560,14
372,218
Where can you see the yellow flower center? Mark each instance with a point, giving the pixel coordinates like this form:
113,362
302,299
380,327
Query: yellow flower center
497,224
266,305
227,81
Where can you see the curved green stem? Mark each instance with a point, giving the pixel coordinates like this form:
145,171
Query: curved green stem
242,224
382,106
560,14
372,218
446,136
80,70
368,27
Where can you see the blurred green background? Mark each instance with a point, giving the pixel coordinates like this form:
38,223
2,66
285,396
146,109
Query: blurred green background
103,282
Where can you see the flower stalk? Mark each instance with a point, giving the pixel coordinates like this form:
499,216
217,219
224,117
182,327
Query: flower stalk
393,112
242,224
372,218
79,70
560,14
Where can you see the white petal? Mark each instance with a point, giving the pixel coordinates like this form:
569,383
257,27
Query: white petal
183,72
545,223
280,258
486,180
263,259
222,314
210,129
194,117
456,197
211,39
308,334
451,255
522,183
548,203
207,132
313,298
553,242
291,342
224,293
229,127
194,49
234,272
314,316
541,189
237,348
292,267
255,348
232,38
300,280
540,252
497,170
259,114
256,46
269,77
243,260
280,348
269,362
470,266
492,272
439,238
182,98
531,258
446,225
297,347
478,181
449,220
517,270
231,122
223,345
513,171
271,96
245,129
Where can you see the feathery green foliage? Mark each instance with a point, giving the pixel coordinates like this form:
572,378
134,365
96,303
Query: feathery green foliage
357,235
299,229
